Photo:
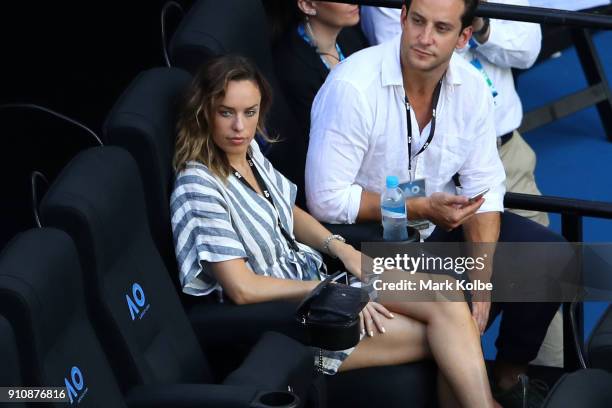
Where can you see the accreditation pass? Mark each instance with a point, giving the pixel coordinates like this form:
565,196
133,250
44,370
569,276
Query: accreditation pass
33,394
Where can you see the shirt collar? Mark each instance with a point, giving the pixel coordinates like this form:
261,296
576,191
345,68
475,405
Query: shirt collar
391,68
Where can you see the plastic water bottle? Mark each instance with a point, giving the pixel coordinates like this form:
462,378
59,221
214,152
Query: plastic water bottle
393,210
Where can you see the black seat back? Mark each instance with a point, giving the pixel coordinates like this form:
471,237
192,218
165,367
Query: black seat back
143,121
98,199
10,375
41,294
583,388
213,28
600,343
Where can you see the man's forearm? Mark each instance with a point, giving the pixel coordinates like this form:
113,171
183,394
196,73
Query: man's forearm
482,227
369,207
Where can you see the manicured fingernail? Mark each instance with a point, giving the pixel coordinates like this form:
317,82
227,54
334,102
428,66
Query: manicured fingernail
391,315
371,334
363,332
382,329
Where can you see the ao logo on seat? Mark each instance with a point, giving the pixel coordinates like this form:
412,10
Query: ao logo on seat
137,302
75,387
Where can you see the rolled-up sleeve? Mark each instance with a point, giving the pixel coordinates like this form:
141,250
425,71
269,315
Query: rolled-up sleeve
483,167
340,125
512,44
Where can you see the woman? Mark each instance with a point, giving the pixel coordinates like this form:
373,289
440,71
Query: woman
315,42
237,231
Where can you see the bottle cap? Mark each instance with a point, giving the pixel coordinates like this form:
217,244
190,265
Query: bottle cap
392,181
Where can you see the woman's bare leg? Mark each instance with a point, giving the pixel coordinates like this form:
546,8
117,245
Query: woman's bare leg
454,342
404,341
447,332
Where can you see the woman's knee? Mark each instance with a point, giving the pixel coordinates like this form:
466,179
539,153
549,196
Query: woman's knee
449,310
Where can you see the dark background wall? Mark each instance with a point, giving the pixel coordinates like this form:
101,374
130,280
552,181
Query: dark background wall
72,57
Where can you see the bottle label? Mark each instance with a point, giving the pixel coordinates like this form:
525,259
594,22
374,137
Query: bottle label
393,212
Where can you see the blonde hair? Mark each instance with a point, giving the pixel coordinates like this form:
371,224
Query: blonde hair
197,113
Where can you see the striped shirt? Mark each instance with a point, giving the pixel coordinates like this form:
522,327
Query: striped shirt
215,220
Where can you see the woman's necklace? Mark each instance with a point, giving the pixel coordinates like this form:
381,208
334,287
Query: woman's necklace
309,37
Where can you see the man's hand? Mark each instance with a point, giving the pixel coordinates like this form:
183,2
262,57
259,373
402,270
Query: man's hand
373,317
480,314
449,211
477,26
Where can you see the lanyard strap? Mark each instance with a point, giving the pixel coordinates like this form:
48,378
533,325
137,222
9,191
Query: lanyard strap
432,129
267,196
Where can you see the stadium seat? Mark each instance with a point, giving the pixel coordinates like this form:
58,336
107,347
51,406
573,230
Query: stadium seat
212,28
42,297
10,375
584,388
143,122
600,343
98,199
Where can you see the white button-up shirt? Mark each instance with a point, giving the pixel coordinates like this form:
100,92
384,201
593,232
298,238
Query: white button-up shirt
511,44
358,135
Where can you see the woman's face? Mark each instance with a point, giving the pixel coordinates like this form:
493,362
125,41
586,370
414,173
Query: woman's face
336,14
236,117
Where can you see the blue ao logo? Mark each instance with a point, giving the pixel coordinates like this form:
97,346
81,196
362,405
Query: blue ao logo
137,302
75,386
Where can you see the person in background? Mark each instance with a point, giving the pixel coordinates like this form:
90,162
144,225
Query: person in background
238,232
496,47
317,39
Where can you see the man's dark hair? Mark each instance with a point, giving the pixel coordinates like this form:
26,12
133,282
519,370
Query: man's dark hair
468,13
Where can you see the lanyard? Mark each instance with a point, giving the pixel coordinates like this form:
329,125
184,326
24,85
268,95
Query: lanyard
268,196
478,65
432,129
309,41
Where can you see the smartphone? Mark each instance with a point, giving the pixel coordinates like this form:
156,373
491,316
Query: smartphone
478,195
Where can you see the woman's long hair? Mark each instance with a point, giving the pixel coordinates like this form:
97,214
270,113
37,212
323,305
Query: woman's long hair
197,113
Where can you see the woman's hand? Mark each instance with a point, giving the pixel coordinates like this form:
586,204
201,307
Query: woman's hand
372,317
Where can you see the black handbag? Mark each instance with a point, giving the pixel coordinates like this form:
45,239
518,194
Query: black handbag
330,314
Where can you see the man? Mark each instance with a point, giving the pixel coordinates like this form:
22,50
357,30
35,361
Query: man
360,134
496,47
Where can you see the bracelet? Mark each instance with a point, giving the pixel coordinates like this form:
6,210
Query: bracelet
485,27
328,241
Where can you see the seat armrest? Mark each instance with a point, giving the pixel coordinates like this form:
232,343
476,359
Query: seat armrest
277,362
191,395
208,395
217,324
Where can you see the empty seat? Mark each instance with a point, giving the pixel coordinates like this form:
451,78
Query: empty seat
143,121
10,375
42,297
600,344
584,388
98,199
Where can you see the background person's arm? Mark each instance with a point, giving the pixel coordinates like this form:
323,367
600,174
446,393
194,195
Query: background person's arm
511,44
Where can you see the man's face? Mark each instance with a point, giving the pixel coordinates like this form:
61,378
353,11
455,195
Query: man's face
431,30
